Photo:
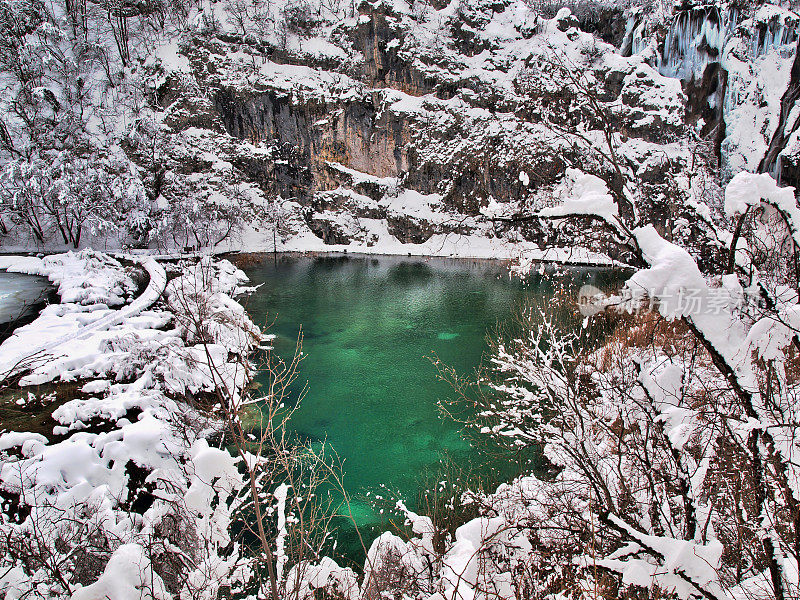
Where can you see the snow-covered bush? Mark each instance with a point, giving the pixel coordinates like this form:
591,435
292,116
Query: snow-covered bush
300,16
65,196
671,439
126,494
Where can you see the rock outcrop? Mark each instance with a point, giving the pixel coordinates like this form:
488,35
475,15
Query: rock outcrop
400,124
407,122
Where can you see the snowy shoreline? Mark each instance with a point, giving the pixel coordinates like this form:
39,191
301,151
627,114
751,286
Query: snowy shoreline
139,362
578,257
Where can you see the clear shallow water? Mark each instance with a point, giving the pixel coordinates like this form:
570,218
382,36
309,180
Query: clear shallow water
369,326
20,294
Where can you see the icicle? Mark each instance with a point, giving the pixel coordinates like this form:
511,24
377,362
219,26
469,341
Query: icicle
627,39
776,170
633,41
773,27
640,41
695,39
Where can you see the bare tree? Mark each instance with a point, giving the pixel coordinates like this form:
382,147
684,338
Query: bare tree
284,507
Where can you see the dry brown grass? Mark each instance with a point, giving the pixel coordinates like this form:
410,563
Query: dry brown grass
792,365
644,331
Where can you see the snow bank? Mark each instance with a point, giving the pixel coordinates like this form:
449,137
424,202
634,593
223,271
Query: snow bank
138,361
127,573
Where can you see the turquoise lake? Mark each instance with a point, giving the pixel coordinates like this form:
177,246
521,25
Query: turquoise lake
370,326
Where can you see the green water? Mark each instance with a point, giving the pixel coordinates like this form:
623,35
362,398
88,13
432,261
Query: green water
369,326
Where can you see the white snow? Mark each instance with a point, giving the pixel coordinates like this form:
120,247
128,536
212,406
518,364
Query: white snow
136,370
127,574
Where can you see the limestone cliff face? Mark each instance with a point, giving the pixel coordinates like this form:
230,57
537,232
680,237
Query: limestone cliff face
410,122
316,133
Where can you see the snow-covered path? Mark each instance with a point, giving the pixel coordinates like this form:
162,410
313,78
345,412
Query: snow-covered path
10,364
158,282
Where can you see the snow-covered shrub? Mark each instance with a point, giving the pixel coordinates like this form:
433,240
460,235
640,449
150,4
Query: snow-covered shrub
62,197
202,301
300,16
585,10
671,438
127,494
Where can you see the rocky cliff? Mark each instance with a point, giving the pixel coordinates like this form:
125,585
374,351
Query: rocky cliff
410,126
410,121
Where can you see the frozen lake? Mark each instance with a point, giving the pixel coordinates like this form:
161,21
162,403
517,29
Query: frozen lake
20,295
